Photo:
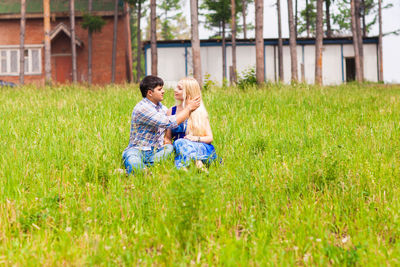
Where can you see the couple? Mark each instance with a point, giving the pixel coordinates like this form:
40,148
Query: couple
156,132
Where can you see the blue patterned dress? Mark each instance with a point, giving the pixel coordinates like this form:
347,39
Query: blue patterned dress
187,150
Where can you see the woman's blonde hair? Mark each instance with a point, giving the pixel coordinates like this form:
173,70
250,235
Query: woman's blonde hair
198,119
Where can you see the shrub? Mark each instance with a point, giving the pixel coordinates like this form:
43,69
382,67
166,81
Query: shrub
247,78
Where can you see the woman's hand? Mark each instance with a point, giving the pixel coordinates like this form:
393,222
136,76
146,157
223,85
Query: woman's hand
192,138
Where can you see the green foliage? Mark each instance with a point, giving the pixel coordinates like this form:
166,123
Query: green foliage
218,13
310,177
247,79
340,16
93,23
341,256
208,82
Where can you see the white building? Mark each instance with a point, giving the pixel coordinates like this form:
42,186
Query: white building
338,66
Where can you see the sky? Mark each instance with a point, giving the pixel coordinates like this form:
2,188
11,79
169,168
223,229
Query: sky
391,22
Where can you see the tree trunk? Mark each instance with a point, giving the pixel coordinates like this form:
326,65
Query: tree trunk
114,47
244,19
139,43
318,43
328,18
360,38
223,53
307,20
73,40
355,40
22,43
233,27
380,78
259,10
128,44
90,47
47,43
153,38
195,42
364,28
280,42
292,40
295,18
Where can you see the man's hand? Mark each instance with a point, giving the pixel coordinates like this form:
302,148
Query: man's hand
193,104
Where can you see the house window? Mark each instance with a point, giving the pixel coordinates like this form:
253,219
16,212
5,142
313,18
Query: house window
9,61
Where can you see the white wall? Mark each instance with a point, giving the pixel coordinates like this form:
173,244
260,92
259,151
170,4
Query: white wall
171,62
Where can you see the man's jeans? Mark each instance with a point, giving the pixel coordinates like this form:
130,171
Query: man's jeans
135,159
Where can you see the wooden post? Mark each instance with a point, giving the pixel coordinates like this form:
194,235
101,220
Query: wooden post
128,45
22,43
195,42
293,45
380,56
259,10
90,46
318,43
47,43
139,42
73,40
114,47
153,38
233,27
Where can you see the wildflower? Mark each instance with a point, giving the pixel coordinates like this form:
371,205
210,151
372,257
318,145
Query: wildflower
68,229
318,240
345,239
306,257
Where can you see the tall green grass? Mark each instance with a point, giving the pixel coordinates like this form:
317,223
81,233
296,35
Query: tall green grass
311,176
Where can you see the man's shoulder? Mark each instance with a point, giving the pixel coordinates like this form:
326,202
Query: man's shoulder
142,104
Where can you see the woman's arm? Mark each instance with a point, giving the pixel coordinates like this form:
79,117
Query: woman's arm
168,133
208,138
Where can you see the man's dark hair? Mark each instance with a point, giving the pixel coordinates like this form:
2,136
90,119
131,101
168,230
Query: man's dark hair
149,83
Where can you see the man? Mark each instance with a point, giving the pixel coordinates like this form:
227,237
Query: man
148,125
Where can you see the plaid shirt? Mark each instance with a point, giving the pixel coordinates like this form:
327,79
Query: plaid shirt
148,125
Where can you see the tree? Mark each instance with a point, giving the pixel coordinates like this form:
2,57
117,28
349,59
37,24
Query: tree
359,37
153,39
318,43
47,44
292,40
73,40
259,8
128,44
166,7
92,24
380,77
307,20
219,16
280,43
355,40
328,18
139,41
195,41
90,46
22,43
233,27
114,47
244,9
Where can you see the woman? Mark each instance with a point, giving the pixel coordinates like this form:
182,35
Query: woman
191,139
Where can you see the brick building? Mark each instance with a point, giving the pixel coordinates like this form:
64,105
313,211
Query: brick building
61,59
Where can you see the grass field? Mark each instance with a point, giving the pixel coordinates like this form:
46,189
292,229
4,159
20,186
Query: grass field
311,176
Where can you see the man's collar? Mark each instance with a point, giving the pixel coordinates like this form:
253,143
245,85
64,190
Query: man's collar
154,105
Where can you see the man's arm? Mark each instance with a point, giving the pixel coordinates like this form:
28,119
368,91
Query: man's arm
157,119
